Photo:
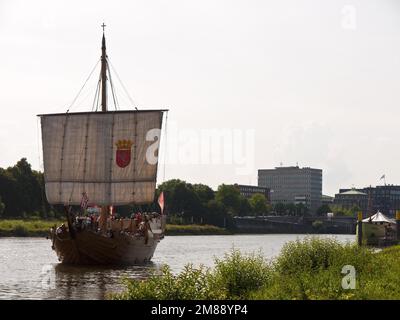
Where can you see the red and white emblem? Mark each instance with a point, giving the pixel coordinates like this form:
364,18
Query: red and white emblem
123,154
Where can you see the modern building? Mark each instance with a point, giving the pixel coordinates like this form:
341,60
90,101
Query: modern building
248,191
385,199
293,185
327,200
352,198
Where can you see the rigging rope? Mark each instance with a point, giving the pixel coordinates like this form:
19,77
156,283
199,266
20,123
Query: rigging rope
114,95
96,94
76,97
123,87
165,145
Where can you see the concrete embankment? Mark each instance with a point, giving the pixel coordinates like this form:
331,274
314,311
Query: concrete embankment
300,225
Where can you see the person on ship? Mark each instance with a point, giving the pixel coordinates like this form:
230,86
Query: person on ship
146,229
138,219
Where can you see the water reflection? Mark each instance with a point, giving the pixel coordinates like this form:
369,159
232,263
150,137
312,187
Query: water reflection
94,282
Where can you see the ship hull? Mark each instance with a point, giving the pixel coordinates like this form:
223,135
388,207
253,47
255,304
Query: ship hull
91,248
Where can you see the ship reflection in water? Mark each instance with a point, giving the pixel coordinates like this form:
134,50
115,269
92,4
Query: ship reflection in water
29,270
96,281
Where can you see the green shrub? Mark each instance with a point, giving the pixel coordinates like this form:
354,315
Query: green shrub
20,230
313,254
312,269
240,274
191,283
234,277
307,269
317,225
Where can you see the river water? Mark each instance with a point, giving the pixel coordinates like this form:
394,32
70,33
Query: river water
29,269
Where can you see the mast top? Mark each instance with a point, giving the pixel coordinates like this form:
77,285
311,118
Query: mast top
103,72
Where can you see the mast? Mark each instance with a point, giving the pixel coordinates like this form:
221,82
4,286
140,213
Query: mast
103,73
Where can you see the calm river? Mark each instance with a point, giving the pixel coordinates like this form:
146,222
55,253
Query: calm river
29,268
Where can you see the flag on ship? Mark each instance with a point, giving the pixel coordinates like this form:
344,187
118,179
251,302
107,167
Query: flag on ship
161,201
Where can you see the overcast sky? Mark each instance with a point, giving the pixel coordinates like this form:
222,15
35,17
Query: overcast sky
310,82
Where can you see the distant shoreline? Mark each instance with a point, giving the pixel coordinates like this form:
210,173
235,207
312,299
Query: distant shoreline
40,228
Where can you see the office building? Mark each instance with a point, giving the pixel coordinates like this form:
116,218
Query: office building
293,185
248,191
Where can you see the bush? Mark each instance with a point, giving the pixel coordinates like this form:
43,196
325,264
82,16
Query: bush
234,277
317,225
191,283
20,231
240,274
312,269
313,254
307,269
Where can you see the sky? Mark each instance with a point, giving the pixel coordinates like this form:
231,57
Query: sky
272,82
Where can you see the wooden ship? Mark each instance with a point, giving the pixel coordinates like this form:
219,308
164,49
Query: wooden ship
109,158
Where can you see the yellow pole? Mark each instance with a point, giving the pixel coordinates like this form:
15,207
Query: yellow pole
359,228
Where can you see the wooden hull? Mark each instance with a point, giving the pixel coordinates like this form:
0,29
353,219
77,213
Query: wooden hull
91,248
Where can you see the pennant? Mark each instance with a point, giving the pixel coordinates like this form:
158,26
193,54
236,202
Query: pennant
161,201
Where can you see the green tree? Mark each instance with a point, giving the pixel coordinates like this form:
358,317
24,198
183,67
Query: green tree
22,190
28,187
245,208
301,210
181,198
323,210
9,194
203,192
216,213
291,209
280,208
340,211
258,203
230,196
2,207
354,210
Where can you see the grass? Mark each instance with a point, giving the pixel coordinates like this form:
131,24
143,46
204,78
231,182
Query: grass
234,277
40,228
26,228
194,229
311,269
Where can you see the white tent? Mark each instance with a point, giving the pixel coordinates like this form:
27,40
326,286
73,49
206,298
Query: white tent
379,217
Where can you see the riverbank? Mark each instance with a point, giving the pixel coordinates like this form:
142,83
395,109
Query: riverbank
194,229
27,228
40,228
309,269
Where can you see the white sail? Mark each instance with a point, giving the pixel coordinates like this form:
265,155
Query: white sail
110,156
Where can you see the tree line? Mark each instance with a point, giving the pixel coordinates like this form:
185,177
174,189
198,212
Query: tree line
22,192
22,195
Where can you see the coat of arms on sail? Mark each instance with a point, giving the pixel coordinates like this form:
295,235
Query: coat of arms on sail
123,155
